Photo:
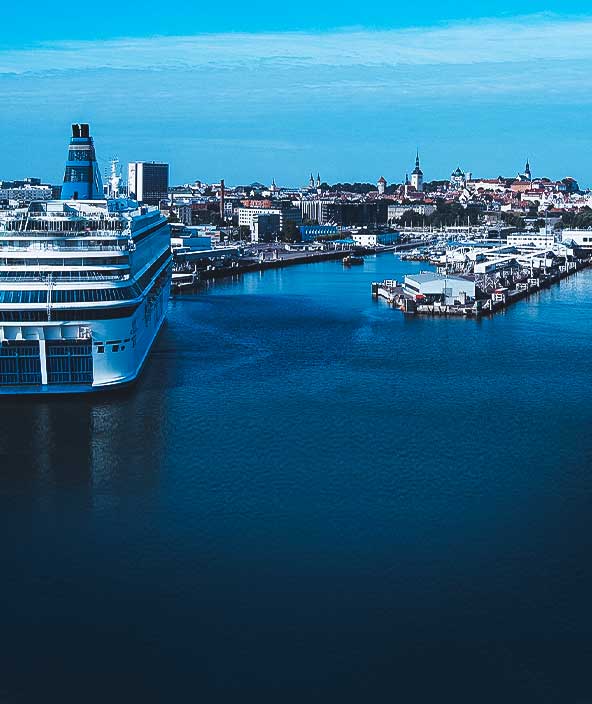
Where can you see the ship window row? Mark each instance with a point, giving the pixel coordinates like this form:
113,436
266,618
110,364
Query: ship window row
61,244
51,261
85,295
75,227
88,295
78,174
95,295
82,275
79,154
77,314
67,315
62,225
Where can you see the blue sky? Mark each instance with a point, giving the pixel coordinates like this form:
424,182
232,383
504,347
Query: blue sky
231,90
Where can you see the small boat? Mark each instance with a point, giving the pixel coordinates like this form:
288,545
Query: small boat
351,260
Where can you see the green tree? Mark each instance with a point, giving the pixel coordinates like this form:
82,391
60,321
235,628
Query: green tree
290,232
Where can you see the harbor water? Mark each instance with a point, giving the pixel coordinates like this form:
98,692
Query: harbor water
309,497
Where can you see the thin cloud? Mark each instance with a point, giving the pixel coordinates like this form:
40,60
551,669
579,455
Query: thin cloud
525,39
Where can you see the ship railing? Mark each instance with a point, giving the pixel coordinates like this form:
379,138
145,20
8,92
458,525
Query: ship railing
59,232
76,277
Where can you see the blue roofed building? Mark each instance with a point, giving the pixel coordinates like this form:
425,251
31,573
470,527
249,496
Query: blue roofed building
309,233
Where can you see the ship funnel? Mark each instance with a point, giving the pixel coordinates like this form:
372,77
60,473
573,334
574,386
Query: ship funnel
82,178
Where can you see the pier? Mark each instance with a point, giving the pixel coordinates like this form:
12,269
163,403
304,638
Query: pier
237,267
490,296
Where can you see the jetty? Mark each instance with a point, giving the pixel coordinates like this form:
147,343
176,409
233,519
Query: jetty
483,283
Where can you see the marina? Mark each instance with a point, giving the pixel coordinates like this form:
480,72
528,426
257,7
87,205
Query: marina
477,279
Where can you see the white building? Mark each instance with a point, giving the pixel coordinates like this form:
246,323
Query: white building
431,286
396,212
540,240
373,240
26,194
582,238
246,216
250,217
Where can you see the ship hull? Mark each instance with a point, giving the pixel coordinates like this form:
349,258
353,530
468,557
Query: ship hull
112,356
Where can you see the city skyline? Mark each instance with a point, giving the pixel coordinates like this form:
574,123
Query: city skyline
350,103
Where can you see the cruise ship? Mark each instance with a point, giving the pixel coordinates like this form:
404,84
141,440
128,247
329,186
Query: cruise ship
84,283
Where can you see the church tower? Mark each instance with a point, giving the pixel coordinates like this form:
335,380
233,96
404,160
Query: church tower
417,175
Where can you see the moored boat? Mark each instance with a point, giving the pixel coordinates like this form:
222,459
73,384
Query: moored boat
84,284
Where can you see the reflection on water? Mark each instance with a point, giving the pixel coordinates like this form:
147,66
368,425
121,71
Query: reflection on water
90,442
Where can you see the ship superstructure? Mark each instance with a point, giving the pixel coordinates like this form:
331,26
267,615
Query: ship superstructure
84,287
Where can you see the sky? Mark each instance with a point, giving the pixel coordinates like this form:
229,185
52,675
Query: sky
347,90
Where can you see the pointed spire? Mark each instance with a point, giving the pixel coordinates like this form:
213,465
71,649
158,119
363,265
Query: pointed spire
417,158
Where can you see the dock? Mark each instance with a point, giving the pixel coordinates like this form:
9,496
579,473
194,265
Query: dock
522,285
195,277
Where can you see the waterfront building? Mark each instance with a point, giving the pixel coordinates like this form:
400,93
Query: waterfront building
345,213
265,225
148,181
417,176
309,233
84,284
582,239
254,219
364,239
539,240
438,287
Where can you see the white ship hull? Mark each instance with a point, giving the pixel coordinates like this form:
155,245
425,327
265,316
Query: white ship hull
113,365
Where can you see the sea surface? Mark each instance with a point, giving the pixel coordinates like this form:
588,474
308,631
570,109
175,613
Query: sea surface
309,497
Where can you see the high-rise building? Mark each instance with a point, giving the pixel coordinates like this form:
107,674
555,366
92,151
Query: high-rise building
148,181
